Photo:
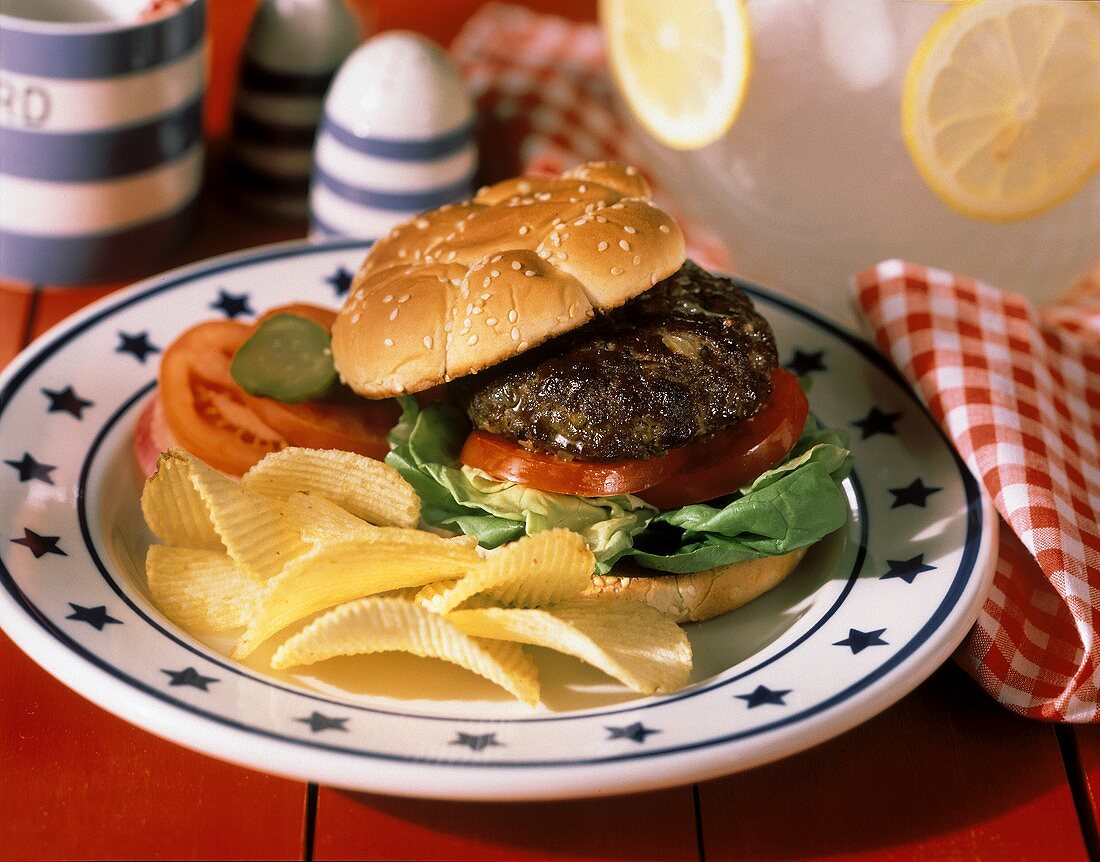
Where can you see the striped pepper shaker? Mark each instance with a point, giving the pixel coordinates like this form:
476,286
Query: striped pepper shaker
396,138
294,48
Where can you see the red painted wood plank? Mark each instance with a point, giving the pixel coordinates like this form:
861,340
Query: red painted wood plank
79,783
658,825
944,774
15,305
1087,738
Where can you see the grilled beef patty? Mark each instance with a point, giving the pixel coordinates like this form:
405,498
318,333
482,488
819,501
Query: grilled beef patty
683,360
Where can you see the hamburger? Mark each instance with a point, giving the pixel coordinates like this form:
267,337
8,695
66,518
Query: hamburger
592,378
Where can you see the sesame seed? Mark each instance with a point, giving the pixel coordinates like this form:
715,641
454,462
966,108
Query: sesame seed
490,321
467,323
631,170
485,296
476,310
629,229
582,188
452,255
528,272
515,265
555,222
573,310
486,282
428,342
565,234
448,326
515,333
601,220
388,342
624,245
404,297
602,246
472,340
562,255
523,345
495,273
663,228
512,316
637,259
388,297
523,229
496,257
355,318
422,223
616,270
393,314
545,253
402,252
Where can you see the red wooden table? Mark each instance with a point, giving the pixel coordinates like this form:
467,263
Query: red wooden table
944,774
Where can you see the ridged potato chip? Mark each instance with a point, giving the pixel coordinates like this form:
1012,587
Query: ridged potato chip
250,525
173,508
318,520
330,574
367,488
529,572
631,641
200,590
393,624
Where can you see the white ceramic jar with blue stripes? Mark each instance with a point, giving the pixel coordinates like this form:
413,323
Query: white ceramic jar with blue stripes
396,139
290,57
101,147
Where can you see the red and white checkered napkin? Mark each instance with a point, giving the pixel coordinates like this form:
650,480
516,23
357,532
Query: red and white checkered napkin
1018,391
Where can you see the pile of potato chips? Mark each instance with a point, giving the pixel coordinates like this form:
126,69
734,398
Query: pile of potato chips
333,535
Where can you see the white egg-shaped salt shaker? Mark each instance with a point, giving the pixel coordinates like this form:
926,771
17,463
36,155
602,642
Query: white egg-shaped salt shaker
396,139
291,55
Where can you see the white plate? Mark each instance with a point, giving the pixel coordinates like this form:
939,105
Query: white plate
873,610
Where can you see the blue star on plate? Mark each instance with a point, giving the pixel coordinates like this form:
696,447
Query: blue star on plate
877,422
318,722
96,617
858,641
189,676
30,469
916,493
340,281
475,742
805,363
67,401
762,695
40,545
137,346
232,304
907,570
636,732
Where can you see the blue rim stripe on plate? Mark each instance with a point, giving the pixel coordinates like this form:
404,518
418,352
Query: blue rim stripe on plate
104,54
45,259
405,202
104,153
405,150
961,577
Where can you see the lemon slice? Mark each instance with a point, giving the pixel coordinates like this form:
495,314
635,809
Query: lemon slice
1001,106
682,65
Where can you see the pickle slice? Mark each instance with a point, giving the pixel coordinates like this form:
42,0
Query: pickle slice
288,358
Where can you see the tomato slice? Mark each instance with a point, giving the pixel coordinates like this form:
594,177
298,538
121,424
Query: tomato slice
213,418
360,426
204,408
499,456
695,473
735,456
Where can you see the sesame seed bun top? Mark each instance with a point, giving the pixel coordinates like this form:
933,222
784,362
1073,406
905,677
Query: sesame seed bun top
466,286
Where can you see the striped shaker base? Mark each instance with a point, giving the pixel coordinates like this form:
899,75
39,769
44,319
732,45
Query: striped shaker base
363,186
274,126
101,150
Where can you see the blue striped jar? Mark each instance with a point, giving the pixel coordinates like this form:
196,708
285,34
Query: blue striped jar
101,150
290,57
396,139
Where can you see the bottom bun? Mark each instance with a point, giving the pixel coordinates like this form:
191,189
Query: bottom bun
698,595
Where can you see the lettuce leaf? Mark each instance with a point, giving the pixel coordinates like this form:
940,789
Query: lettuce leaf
790,506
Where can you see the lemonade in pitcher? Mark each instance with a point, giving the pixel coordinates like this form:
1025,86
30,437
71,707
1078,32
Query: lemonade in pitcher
821,136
